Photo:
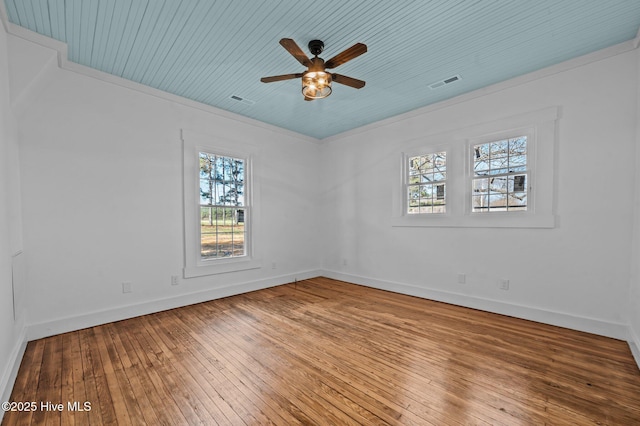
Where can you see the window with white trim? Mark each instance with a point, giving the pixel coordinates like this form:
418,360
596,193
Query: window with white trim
497,174
426,183
221,205
499,179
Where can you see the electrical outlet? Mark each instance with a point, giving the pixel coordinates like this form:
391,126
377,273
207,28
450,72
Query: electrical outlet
503,284
126,287
274,265
174,280
344,262
462,278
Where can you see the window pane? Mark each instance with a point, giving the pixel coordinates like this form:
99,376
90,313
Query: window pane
480,185
498,184
414,196
498,163
517,201
517,160
481,152
426,177
499,148
480,203
497,201
518,146
518,183
481,168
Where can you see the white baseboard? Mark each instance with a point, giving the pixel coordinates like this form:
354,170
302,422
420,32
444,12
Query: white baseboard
78,322
589,325
11,372
634,345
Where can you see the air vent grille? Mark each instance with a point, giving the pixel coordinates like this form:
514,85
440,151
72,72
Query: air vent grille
242,100
444,82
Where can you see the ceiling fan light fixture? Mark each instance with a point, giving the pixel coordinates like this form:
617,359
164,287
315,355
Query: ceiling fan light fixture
316,84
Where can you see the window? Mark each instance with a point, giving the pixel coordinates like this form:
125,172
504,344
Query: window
426,182
222,206
499,178
496,174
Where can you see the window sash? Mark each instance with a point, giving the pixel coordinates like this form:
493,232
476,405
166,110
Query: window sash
226,239
500,175
425,183
222,186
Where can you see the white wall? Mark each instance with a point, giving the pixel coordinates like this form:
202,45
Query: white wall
11,328
575,275
102,199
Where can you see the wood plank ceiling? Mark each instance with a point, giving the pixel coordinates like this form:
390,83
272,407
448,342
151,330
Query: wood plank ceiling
209,51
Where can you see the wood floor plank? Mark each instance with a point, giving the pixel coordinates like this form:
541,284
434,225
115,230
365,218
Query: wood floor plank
322,351
50,384
26,385
102,411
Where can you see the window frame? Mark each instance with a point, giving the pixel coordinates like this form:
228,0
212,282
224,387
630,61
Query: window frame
194,265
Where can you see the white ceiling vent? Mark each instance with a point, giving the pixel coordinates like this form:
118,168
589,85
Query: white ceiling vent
241,99
444,82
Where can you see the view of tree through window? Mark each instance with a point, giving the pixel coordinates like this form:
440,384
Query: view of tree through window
500,175
223,213
426,183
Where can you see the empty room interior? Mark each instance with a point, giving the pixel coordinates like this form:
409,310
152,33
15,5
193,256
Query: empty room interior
339,212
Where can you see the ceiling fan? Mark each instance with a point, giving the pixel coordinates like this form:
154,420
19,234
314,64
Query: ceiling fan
316,81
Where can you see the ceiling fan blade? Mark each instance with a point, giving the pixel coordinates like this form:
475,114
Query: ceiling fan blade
280,77
348,81
295,51
346,55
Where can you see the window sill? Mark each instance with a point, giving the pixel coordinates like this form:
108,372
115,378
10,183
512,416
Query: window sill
221,266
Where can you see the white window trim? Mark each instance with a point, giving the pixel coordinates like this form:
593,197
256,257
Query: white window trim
540,126
194,266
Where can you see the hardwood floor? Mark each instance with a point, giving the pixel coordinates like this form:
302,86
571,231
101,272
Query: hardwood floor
324,352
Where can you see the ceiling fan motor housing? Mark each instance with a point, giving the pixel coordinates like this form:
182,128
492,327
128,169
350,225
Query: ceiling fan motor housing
316,47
